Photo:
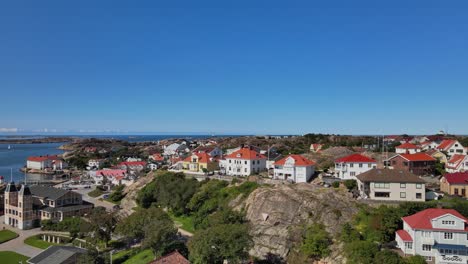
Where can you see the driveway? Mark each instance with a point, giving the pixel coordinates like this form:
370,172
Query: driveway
17,245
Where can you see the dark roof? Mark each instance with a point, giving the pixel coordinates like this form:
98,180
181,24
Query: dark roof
387,175
11,187
56,255
68,208
47,192
24,190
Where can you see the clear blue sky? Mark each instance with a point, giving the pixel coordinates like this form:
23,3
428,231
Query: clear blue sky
261,67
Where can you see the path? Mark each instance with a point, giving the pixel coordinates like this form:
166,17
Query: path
17,245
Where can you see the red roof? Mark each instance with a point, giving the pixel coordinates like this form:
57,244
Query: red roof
171,258
457,178
202,157
446,144
422,220
298,161
457,158
358,158
112,173
417,157
246,153
404,235
407,145
43,158
157,157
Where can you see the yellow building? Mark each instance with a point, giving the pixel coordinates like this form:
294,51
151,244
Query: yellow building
199,162
440,156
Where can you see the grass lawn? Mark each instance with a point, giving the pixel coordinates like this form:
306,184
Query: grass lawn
143,257
95,193
6,235
183,222
12,257
36,241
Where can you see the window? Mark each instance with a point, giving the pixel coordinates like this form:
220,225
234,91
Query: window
20,205
426,247
402,195
245,170
418,186
405,163
382,194
456,191
360,165
245,162
426,234
369,165
418,196
379,185
352,173
448,222
409,245
448,235
402,185
351,165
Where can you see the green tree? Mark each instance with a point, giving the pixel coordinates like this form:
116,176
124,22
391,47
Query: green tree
222,242
415,260
350,184
387,257
316,242
102,224
360,252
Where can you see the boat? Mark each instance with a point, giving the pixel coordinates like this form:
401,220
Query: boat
9,147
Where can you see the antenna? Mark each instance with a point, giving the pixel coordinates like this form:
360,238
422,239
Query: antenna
11,174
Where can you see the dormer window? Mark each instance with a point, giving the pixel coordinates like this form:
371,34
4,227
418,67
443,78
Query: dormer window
448,222
238,155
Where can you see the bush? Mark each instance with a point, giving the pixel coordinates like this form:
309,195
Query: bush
316,242
336,184
350,184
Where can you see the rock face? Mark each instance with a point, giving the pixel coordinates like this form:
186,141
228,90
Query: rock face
129,201
279,213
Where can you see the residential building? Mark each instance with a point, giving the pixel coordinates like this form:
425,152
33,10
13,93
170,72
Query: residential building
294,168
114,176
171,258
347,168
418,163
132,166
407,148
46,163
157,158
175,149
199,162
455,184
458,163
439,235
428,145
391,185
316,147
438,155
244,162
95,163
26,206
213,151
451,147
59,255
152,166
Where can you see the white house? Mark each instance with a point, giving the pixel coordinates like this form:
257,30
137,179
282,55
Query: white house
458,163
391,185
349,167
428,145
175,149
95,163
210,150
407,148
46,162
294,168
439,235
244,162
451,147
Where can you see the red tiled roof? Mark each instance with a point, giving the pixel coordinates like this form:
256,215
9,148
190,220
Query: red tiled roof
202,157
43,158
457,158
404,235
417,157
246,153
157,157
422,220
407,145
110,172
298,161
457,178
358,158
171,258
446,144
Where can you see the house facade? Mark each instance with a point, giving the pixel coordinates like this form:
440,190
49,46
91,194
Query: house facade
295,168
438,155
455,184
347,168
210,150
199,162
316,147
451,147
458,163
391,185
132,166
26,206
407,148
419,163
244,162
46,163
439,235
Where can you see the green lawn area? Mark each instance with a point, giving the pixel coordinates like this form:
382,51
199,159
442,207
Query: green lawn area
143,257
183,222
12,257
36,241
95,193
6,235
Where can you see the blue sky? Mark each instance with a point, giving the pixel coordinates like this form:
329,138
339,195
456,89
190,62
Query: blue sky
262,67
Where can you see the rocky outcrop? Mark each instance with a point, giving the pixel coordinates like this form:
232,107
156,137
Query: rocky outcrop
279,214
129,201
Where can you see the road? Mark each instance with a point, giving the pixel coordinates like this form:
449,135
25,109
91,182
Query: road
95,200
